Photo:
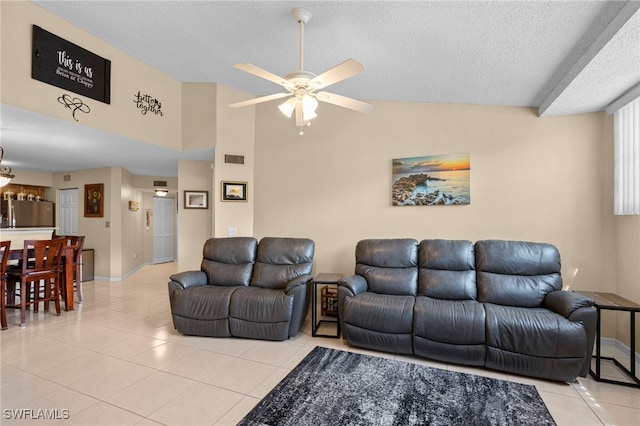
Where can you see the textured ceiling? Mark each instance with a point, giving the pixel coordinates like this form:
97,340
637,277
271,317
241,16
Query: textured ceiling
563,57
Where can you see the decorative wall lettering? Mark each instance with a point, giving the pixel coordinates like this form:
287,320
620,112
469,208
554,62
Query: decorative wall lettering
147,103
63,64
74,104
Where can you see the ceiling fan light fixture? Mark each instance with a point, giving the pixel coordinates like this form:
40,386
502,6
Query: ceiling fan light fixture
5,172
309,106
301,85
288,107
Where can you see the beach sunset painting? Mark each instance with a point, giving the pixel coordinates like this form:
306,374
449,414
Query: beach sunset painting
436,180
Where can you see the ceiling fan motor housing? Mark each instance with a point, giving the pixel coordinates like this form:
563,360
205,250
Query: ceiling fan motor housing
299,78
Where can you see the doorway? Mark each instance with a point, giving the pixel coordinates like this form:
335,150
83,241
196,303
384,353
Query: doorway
68,212
163,230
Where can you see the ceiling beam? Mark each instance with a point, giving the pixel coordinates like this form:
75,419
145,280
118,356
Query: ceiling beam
572,66
628,96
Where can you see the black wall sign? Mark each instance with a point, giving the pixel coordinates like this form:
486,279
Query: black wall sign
63,64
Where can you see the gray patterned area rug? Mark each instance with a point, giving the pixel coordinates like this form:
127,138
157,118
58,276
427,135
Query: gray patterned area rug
332,387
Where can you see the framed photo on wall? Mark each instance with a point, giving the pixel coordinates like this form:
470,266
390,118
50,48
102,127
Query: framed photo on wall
94,200
234,191
196,199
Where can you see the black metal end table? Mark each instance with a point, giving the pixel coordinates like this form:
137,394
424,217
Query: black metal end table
613,302
324,279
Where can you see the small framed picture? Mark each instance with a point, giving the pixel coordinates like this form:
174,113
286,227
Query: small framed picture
234,191
196,199
94,200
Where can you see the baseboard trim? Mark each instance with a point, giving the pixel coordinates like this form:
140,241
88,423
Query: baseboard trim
608,341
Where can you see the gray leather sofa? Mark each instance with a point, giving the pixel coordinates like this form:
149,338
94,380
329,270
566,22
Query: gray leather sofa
497,304
245,289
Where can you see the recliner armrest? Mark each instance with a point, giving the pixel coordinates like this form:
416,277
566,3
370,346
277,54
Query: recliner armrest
566,302
297,282
189,278
354,283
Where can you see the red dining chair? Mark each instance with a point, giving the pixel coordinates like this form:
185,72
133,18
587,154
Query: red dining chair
41,269
77,242
5,247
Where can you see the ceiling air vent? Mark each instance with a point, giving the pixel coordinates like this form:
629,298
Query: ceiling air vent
233,159
159,183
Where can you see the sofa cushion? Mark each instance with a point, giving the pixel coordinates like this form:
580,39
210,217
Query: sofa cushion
449,330
459,322
380,312
280,260
202,310
446,269
388,265
229,261
516,273
260,313
537,332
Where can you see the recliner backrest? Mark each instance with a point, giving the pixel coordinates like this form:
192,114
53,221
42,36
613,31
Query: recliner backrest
229,261
516,273
389,265
280,260
446,269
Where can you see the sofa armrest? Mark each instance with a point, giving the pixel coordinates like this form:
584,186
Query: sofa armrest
297,282
566,302
189,279
355,284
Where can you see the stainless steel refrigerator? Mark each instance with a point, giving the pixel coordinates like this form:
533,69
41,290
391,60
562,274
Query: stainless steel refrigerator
21,214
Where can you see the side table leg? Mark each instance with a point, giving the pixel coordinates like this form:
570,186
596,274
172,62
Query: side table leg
598,354
313,309
632,355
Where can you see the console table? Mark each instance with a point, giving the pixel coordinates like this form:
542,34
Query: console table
613,302
322,279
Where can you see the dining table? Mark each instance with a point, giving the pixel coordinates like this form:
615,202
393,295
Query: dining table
67,279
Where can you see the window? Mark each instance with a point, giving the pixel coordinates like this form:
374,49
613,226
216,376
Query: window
626,159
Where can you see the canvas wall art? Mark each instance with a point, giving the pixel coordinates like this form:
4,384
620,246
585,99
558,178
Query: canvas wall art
431,180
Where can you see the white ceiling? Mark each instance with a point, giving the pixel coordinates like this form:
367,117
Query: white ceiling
562,57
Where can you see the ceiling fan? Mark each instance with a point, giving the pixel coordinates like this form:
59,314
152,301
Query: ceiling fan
302,86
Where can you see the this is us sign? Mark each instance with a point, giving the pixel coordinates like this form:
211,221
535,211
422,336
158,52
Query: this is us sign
63,64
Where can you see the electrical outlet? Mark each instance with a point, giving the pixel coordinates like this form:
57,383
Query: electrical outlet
107,224
232,232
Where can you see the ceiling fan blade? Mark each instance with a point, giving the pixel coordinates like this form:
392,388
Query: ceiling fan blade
340,72
257,71
259,100
344,101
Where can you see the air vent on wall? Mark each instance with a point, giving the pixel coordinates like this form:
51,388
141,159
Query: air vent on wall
160,183
233,159
66,178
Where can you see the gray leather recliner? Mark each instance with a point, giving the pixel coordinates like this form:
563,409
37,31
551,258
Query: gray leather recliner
497,304
245,289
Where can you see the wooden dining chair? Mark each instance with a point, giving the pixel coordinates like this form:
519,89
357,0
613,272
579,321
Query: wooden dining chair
77,242
5,247
42,268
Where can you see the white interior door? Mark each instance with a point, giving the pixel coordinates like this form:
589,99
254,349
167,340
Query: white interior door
68,212
163,225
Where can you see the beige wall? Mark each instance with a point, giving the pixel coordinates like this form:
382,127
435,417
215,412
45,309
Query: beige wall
537,179
628,273
97,235
235,135
194,225
128,76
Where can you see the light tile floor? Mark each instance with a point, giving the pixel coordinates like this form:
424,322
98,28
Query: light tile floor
117,360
